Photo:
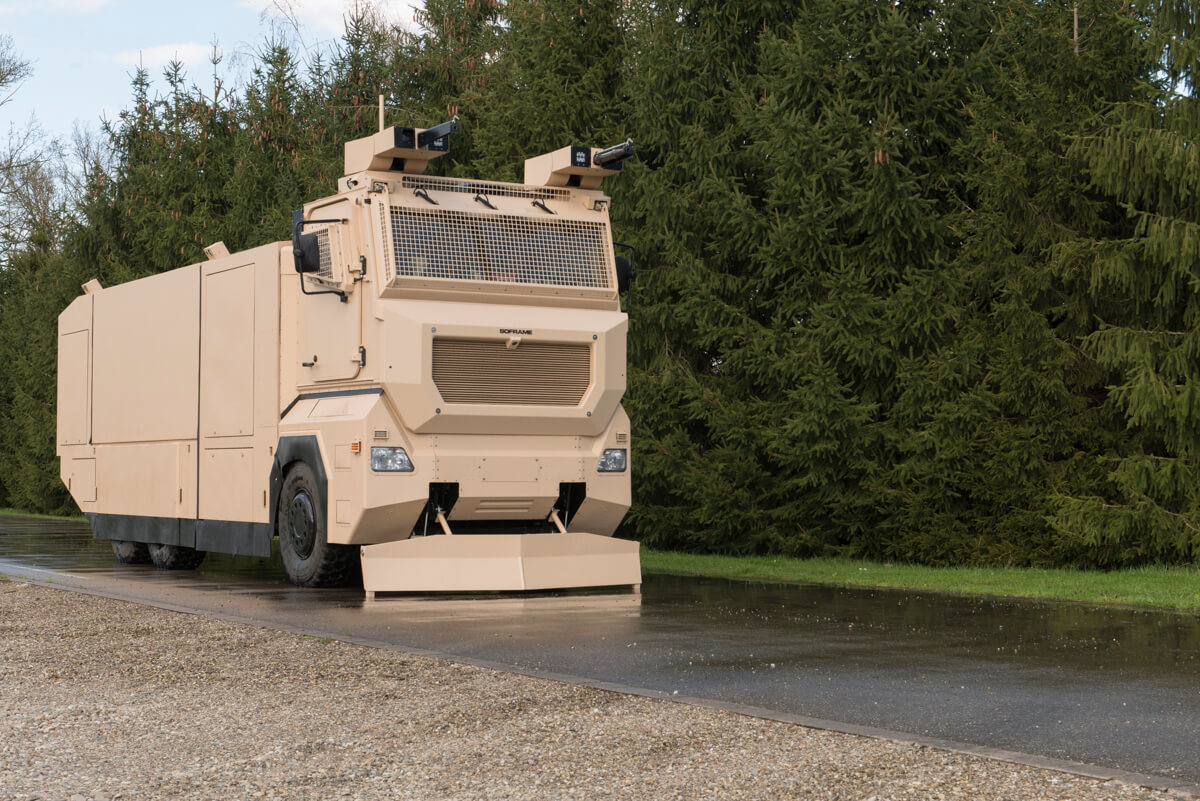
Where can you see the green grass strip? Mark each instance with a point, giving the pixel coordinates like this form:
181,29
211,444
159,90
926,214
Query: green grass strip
1176,588
10,512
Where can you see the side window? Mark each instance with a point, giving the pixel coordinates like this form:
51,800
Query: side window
329,245
333,227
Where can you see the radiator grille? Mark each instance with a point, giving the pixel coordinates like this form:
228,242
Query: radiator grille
533,374
498,248
435,184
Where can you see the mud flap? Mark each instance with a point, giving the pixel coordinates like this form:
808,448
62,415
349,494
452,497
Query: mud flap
493,562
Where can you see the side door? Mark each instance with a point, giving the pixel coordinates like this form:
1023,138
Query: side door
330,324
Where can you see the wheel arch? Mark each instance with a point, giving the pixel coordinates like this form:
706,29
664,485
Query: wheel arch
289,451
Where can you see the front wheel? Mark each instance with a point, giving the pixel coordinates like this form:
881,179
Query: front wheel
175,557
309,559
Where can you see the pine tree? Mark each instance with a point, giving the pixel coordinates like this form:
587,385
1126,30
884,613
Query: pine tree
37,284
702,475
454,58
559,80
1003,417
857,339
855,276
7,314
1143,284
165,198
283,153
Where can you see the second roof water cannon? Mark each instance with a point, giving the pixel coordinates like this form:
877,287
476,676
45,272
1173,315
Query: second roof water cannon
577,165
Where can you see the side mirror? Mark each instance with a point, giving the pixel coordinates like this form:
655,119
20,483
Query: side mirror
304,246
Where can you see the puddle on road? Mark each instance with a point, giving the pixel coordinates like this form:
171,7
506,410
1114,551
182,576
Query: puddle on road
881,627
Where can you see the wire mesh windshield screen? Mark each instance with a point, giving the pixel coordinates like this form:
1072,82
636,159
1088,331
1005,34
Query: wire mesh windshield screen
461,246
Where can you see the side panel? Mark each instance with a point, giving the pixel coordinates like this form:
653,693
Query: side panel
239,381
74,387
144,478
145,373
146,353
77,464
81,480
227,353
227,492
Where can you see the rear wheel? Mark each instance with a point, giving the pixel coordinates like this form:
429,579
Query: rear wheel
309,559
175,557
130,553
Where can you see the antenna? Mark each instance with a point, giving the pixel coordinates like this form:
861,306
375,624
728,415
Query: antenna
381,112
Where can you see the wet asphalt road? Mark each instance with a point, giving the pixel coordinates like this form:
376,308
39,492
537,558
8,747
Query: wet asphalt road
1109,687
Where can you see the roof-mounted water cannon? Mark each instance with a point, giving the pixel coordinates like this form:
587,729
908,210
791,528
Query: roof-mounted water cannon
399,149
613,158
576,165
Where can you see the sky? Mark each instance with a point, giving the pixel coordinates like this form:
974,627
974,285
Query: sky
84,52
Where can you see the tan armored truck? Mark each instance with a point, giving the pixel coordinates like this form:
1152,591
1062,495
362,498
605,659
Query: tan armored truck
425,382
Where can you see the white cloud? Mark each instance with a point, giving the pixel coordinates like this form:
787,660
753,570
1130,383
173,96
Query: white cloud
190,53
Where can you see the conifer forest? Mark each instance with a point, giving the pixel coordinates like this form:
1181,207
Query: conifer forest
917,280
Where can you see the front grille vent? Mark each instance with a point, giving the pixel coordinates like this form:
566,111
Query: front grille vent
532,374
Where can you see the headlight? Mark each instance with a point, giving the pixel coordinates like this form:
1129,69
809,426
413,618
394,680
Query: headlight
612,461
390,460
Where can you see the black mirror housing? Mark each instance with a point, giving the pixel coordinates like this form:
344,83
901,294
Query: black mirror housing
305,249
625,274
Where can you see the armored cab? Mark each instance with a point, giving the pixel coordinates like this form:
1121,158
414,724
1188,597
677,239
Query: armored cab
424,384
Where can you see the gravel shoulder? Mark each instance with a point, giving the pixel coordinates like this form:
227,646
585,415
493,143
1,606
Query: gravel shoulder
102,699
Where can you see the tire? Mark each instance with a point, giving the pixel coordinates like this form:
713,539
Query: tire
308,558
130,553
175,557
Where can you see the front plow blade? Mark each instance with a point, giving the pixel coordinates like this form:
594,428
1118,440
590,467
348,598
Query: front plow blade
486,562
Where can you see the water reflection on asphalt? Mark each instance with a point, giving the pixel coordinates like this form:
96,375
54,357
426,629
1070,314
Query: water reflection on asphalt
1102,685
